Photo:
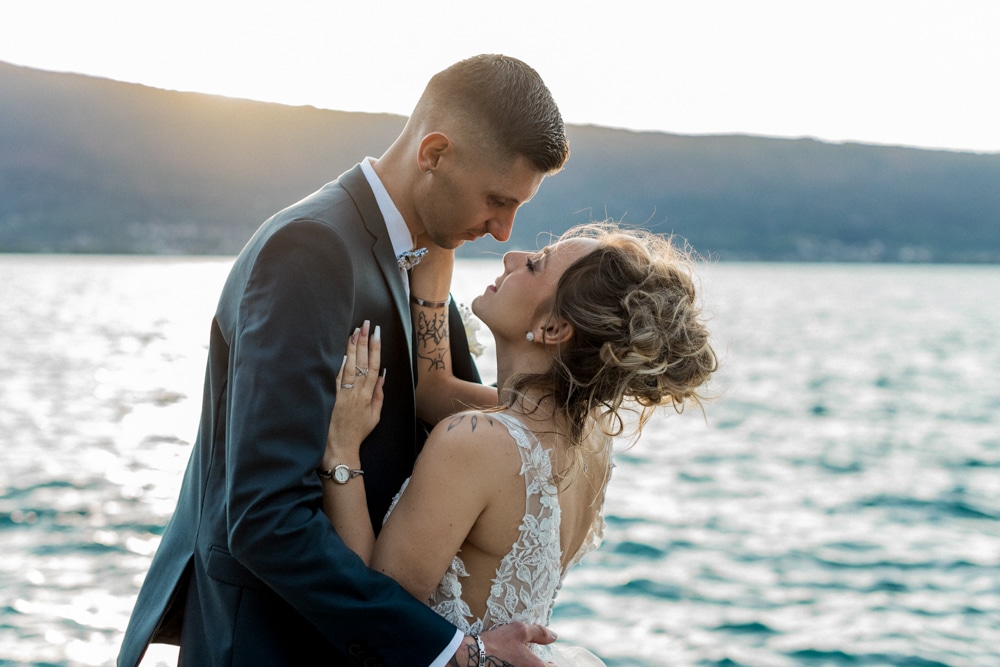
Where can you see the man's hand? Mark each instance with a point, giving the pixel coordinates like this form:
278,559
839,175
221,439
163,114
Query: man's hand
506,646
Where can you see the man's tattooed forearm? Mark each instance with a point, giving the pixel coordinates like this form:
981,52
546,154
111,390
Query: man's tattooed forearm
432,329
471,659
432,340
434,358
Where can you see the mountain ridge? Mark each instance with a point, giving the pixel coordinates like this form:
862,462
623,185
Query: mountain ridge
95,165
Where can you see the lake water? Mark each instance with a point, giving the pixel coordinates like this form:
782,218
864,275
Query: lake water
838,503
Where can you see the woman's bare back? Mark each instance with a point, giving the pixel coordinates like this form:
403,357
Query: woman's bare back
512,562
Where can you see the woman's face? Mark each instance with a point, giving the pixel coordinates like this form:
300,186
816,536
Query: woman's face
521,298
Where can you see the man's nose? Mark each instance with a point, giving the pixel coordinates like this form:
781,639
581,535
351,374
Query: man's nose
501,226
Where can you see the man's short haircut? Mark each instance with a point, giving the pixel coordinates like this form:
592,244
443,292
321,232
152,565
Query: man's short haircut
506,102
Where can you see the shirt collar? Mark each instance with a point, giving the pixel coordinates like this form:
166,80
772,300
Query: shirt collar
399,233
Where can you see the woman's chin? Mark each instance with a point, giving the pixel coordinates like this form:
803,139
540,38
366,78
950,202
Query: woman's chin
476,307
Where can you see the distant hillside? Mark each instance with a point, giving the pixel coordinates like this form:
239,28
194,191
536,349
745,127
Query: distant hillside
90,165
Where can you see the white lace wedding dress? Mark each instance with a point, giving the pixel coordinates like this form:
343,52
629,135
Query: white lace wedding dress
530,575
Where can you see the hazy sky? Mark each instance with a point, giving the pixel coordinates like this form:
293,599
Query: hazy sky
910,72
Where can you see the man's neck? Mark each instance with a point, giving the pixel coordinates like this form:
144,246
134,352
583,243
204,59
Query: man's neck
395,223
398,188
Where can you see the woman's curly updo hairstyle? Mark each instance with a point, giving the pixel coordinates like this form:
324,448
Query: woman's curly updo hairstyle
639,333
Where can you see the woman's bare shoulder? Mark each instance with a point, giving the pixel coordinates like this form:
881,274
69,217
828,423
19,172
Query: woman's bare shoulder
469,432
472,422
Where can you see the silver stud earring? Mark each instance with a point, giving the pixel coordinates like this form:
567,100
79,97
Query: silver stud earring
530,337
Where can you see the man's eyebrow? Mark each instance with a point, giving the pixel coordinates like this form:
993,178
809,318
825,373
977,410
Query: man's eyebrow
505,199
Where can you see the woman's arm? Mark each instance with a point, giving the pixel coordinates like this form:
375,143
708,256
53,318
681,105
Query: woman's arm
446,493
355,413
439,393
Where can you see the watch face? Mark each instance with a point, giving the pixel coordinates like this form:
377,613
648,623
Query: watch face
341,474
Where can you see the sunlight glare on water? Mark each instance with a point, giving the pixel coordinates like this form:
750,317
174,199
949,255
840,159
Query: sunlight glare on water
838,503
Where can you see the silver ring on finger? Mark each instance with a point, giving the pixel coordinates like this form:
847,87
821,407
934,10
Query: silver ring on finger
361,372
346,385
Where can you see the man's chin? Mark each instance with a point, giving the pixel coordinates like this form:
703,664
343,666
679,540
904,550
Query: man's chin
452,244
468,238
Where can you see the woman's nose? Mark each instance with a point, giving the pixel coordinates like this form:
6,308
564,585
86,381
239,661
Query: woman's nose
510,259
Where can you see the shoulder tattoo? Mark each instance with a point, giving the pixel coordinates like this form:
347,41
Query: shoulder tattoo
473,420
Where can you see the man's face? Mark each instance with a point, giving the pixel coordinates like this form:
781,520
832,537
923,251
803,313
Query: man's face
466,199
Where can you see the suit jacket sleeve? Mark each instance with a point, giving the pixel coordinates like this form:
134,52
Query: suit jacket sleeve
289,342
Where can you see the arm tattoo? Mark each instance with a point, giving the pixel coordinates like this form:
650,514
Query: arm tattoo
471,659
432,339
473,421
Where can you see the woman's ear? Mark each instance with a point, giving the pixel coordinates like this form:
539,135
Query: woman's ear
556,331
432,148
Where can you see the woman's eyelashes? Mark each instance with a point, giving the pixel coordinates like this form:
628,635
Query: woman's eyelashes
530,263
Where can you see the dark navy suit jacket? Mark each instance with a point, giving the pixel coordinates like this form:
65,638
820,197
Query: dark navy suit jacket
250,570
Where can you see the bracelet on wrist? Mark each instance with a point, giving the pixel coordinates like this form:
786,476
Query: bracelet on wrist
416,300
481,647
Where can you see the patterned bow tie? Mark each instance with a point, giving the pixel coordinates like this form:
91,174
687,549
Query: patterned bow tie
409,259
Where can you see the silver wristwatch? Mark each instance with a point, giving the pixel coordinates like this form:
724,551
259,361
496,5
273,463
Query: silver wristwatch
340,474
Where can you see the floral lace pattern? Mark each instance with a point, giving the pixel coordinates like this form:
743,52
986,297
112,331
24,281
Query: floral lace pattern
530,575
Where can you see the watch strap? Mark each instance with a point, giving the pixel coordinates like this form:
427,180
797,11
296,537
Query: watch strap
331,473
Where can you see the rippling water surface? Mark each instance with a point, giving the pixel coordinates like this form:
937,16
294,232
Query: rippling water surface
838,503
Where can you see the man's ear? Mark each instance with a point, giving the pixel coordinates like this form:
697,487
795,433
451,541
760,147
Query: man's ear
556,331
432,148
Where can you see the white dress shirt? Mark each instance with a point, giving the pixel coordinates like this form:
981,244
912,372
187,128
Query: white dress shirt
399,233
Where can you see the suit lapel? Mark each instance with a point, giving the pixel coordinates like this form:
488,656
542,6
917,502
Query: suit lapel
356,184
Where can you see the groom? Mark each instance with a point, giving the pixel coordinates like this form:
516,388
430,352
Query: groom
250,571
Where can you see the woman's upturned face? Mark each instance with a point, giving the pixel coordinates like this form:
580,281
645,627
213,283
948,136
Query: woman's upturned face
522,296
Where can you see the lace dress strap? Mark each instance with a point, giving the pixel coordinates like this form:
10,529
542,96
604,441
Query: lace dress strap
529,575
528,442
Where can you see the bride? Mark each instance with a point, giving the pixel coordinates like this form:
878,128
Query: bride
504,500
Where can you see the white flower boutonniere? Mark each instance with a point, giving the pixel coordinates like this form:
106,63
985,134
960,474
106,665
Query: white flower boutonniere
472,325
